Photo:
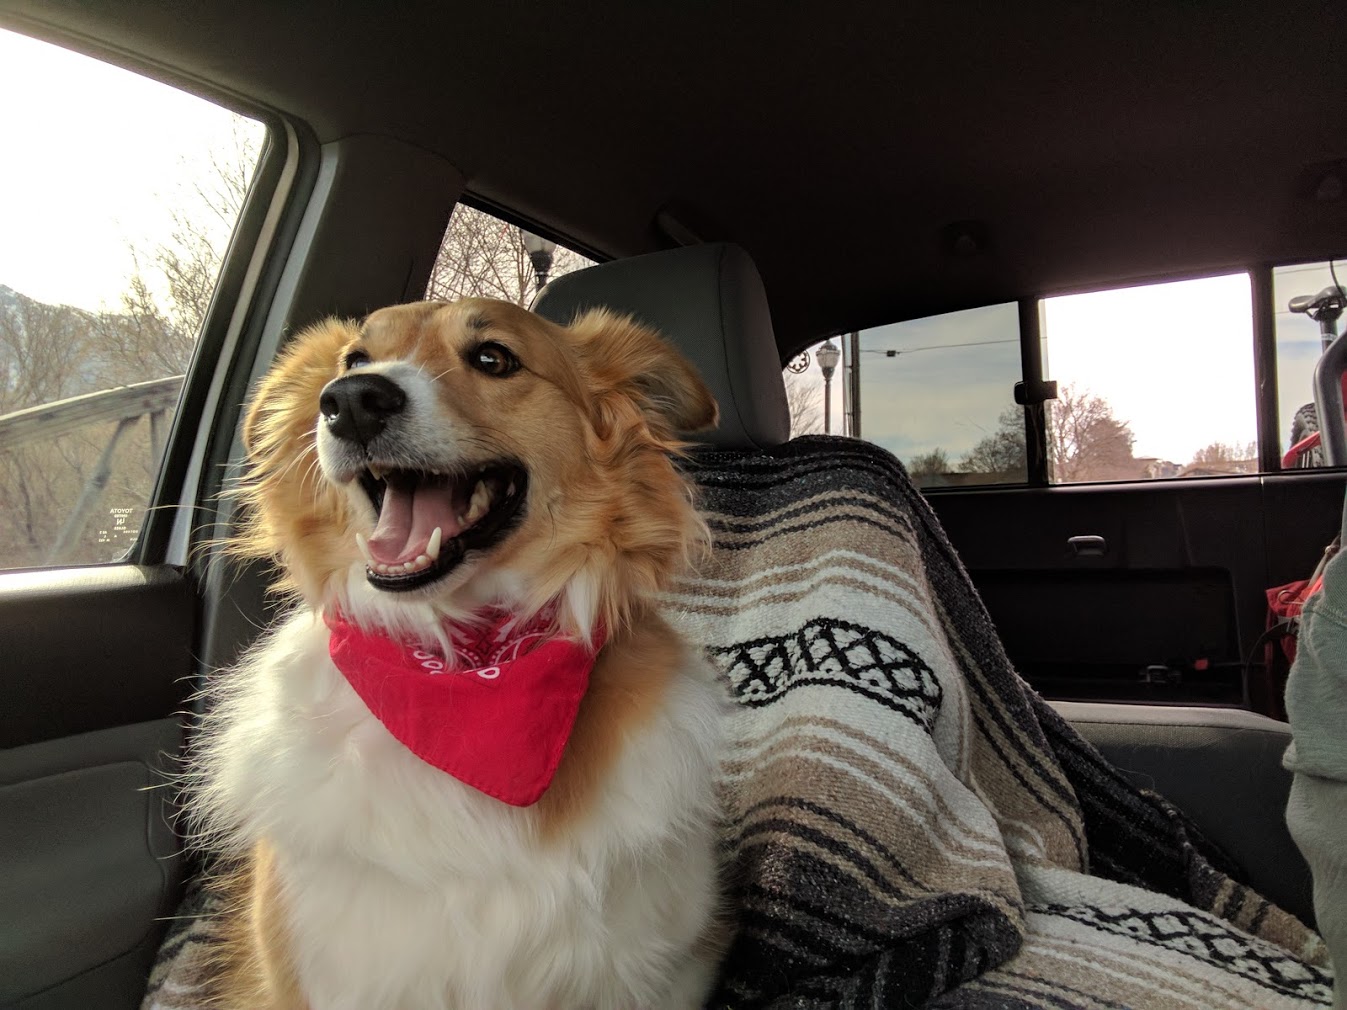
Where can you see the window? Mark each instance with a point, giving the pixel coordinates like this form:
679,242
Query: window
118,197
936,392
1301,338
484,257
1153,381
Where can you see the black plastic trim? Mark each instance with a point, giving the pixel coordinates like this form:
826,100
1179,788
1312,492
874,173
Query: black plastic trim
1265,368
92,648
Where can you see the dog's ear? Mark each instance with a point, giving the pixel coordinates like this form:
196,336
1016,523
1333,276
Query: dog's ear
623,357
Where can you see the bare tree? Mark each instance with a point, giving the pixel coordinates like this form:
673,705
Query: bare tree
484,257
1231,456
1086,441
44,351
49,353
930,464
805,401
1001,454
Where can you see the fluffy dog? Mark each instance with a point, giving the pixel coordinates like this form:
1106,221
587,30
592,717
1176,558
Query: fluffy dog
474,769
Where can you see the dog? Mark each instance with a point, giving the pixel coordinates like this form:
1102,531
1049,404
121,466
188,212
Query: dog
474,769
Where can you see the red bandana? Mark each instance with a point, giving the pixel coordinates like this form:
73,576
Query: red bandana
496,716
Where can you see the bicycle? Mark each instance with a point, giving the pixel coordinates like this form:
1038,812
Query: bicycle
1325,308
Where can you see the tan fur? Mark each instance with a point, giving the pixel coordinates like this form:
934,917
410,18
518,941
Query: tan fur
594,416
254,962
288,501
626,686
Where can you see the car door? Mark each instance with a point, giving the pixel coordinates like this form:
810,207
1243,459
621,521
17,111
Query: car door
118,433
1138,570
1109,466
123,279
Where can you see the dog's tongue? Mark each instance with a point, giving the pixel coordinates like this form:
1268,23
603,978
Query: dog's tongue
411,511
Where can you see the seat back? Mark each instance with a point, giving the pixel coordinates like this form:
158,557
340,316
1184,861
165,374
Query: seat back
708,301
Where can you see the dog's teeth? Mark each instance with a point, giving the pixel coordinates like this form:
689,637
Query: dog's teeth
433,545
363,544
479,503
510,492
409,566
423,561
381,568
377,472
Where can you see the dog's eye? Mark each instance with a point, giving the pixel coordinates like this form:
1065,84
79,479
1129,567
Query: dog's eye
493,359
354,359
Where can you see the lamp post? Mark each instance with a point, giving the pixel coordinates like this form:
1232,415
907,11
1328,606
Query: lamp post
540,252
828,355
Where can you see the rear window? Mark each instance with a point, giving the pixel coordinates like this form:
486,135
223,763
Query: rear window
936,392
1153,381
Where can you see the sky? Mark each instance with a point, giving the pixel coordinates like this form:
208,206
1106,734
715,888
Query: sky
940,396
105,156
95,159
1175,361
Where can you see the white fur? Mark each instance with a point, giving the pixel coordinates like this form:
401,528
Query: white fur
406,889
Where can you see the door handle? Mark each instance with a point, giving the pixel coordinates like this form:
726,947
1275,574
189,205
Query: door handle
1087,546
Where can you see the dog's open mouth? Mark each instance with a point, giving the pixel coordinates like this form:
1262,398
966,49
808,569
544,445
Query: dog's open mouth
428,521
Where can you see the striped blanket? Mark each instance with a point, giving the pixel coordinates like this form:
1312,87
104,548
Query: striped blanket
908,823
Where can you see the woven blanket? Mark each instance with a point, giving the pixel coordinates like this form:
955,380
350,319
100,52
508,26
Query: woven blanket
908,823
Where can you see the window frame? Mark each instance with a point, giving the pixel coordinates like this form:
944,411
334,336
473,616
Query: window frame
1033,389
174,495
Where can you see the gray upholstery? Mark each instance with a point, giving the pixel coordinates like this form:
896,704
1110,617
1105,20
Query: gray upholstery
708,301
1223,768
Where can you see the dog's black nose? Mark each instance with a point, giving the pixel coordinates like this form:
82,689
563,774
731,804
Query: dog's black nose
357,407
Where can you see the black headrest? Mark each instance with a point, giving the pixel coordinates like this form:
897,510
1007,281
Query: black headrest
709,302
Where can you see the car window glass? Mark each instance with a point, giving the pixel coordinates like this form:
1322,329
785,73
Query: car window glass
937,392
1302,335
1153,381
484,257
118,197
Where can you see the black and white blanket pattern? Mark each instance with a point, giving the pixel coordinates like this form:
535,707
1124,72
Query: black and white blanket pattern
908,823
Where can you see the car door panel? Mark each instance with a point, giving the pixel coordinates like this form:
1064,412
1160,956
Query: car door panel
90,861
1301,513
96,663
91,648
1165,610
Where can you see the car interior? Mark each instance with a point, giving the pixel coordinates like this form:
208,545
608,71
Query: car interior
871,165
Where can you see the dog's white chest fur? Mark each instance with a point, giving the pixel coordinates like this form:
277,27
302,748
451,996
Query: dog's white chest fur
405,889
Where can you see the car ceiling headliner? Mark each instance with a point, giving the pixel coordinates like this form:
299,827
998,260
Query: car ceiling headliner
1094,142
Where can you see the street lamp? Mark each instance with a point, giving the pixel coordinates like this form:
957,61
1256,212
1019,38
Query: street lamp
828,356
540,252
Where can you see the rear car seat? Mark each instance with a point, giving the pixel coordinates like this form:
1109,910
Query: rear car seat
1222,767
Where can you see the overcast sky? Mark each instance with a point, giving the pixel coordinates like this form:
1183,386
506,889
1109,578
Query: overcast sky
95,160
